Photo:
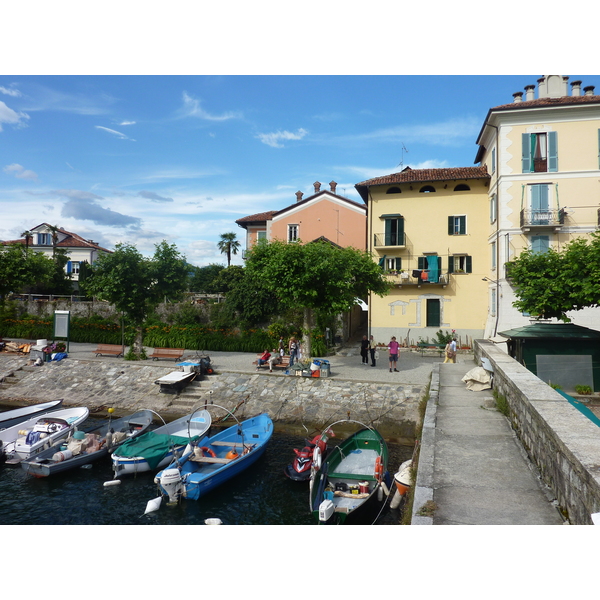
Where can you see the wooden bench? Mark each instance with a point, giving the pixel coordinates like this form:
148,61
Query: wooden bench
284,364
174,353
112,349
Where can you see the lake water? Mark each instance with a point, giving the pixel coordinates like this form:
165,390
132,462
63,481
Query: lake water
261,495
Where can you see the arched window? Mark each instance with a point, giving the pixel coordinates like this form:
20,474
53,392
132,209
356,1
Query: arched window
394,190
462,187
426,189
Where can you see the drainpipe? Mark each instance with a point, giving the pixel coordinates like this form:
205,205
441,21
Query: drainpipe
497,169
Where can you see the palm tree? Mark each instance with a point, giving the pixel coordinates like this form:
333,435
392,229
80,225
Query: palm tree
54,229
228,245
28,236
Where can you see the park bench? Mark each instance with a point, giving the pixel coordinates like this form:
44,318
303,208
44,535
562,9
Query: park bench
174,353
284,364
112,349
429,346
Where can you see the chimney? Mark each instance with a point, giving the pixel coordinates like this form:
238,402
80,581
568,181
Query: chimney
518,97
589,90
575,88
529,92
332,186
317,185
299,196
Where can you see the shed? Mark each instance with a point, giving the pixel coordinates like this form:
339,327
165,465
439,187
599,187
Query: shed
560,353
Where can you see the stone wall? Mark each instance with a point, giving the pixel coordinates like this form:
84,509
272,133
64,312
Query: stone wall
293,402
560,441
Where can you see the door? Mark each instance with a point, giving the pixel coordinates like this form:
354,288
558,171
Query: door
433,313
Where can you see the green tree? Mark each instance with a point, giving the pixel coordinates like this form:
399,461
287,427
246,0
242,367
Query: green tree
552,283
20,269
28,237
228,245
60,282
203,278
317,276
135,284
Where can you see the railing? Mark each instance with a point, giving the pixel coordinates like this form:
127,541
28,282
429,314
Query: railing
542,218
388,239
407,278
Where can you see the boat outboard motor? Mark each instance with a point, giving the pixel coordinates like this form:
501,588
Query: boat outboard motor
170,481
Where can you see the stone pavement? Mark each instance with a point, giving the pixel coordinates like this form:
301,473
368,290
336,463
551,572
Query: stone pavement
471,464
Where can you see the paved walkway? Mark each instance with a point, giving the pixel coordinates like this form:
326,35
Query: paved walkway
471,464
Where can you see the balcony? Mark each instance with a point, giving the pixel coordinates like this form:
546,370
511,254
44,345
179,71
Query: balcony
542,219
406,278
392,240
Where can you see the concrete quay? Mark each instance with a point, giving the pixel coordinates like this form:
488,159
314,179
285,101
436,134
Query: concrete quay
472,469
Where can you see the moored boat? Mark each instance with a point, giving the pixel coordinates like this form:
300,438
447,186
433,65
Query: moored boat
9,418
300,469
29,438
351,485
156,449
85,448
214,460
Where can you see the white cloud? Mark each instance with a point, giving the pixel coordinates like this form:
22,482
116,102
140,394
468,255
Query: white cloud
191,108
10,92
8,115
274,139
154,197
21,172
127,123
117,133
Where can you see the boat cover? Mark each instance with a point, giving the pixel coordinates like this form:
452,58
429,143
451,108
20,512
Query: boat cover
151,446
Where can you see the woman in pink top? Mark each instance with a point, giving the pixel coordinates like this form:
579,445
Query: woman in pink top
393,348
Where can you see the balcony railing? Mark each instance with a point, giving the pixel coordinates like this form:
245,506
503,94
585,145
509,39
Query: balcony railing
407,278
389,240
542,218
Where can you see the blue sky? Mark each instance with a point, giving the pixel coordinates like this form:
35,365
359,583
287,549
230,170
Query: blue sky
105,147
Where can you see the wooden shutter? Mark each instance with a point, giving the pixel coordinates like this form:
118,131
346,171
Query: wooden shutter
422,262
469,264
540,244
451,225
462,225
526,161
451,264
69,267
552,151
433,313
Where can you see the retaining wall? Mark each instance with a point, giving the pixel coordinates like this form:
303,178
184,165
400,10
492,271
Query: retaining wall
560,441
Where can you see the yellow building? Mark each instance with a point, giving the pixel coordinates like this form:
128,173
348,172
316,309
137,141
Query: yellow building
543,154
427,229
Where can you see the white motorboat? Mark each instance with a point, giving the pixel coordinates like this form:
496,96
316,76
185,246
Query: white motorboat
8,418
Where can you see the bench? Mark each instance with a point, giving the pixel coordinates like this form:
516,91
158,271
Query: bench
111,349
284,364
174,353
425,346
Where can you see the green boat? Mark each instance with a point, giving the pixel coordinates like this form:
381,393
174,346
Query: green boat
351,484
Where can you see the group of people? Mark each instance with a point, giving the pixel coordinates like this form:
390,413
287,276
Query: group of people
275,357
368,347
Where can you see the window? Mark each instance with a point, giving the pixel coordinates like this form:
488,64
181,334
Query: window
394,231
493,302
457,225
493,248
393,264
292,233
540,243
493,208
540,214
460,264
261,235
431,263
426,189
73,267
539,152
45,239
462,187
493,160
394,190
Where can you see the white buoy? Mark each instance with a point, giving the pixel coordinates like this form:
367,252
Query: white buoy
395,503
153,505
112,482
215,521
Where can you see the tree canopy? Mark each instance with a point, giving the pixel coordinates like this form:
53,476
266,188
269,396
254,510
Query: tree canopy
229,245
315,276
552,283
20,268
135,284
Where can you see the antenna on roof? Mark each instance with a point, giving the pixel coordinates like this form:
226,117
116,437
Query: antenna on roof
402,159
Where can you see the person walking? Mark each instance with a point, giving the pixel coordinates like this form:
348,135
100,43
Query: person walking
393,347
364,350
372,350
450,351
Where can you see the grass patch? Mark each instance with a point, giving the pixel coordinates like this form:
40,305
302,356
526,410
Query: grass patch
501,403
428,509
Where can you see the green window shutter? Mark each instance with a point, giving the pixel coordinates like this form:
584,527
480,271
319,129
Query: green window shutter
450,225
401,231
469,264
422,262
526,161
462,225
552,152
451,264
388,232
440,264
540,244
398,263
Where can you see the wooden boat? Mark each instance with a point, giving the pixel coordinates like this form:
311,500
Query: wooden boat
157,449
215,460
175,381
352,483
84,448
8,418
29,438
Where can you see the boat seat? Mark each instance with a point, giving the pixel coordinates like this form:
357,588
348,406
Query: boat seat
232,444
210,459
356,476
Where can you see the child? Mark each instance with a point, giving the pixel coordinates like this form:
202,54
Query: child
393,348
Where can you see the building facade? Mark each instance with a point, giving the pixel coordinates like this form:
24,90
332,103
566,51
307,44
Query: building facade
543,155
426,229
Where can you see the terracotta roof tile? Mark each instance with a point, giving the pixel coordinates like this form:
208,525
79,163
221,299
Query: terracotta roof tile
422,175
258,217
541,102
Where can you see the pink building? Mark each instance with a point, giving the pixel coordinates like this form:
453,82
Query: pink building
325,214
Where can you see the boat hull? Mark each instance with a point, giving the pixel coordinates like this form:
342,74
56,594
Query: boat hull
350,480
10,418
199,477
